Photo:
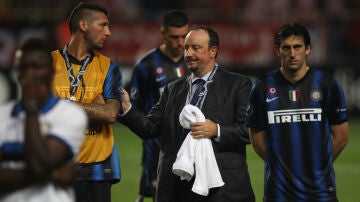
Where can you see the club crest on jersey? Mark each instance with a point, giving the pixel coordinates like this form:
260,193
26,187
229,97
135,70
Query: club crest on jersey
316,95
294,95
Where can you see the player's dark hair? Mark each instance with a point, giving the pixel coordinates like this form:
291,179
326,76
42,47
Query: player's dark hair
36,44
174,18
83,10
293,28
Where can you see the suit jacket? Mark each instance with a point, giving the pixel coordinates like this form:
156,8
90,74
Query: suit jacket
225,104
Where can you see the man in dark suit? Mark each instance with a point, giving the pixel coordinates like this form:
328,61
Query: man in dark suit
223,103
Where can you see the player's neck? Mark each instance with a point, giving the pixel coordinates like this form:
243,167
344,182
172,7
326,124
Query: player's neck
294,76
167,52
78,49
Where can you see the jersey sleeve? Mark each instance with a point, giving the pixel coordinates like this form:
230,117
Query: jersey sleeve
142,93
113,82
256,116
69,127
336,104
136,80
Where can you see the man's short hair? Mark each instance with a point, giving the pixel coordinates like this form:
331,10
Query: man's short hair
293,28
174,18
213,36
83,11
37,44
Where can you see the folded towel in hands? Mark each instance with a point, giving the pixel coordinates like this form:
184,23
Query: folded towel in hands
196,156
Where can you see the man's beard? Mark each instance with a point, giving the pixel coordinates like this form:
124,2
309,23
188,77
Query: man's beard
193,69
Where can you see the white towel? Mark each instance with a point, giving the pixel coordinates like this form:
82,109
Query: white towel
196,156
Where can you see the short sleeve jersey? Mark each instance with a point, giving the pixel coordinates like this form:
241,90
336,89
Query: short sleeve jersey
58,119
297,119
102,76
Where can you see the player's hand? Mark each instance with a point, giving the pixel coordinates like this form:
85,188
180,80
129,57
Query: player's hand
66,174
33,90
205,129
125,104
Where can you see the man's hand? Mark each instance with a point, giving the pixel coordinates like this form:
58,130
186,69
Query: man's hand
205,129
66,174
125,104
34,92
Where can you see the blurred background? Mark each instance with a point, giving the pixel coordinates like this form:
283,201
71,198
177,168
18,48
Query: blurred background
246,29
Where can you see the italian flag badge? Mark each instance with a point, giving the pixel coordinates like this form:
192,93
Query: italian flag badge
294,95
179,71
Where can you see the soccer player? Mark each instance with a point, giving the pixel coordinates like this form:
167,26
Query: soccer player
152,72
298,123
40,135
93,81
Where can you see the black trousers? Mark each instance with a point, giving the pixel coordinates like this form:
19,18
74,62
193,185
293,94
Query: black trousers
93,191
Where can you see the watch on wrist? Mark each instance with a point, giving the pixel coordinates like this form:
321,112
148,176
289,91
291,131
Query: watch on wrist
31,107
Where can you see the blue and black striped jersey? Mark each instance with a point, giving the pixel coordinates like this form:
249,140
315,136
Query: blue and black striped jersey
297,119
150,76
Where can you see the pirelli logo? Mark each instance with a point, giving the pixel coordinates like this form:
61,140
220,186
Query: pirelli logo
294,115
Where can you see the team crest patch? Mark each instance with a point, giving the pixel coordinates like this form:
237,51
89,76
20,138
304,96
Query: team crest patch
316,95
159,70
294,95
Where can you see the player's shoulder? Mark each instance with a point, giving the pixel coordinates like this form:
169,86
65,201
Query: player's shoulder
6,108
55,52
322,72
56,55
148,56
103,59
265,77
321,77
100,56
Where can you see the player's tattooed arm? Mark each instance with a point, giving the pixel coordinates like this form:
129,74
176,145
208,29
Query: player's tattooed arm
104,111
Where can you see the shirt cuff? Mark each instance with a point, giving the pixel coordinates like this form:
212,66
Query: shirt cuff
217,139
125,112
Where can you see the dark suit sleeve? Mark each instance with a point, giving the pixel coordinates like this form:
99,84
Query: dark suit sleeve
234,133
146,126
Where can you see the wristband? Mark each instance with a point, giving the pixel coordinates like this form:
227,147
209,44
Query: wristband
31,107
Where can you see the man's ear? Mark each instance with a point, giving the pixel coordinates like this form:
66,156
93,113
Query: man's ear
308,49
277,52
162,31
213,51
83,25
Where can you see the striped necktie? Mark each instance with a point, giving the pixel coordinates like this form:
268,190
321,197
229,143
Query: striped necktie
199,85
